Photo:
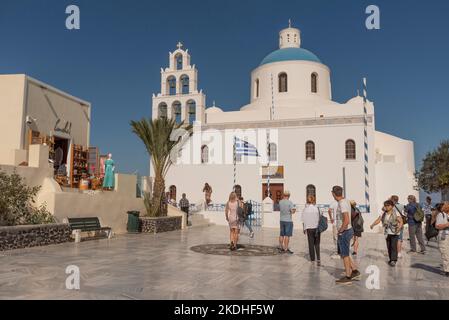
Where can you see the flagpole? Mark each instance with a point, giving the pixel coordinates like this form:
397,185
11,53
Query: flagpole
235,160
268,136
365,132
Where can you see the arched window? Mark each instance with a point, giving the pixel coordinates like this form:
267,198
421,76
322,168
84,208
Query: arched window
272,152
172,193
282,77
176,111
314,79
204,154
171,85
184,82
310,150
256,89
350,149
310,190
238,190
162,110
191,111
178,61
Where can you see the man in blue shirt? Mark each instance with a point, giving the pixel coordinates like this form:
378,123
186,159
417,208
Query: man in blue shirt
414,227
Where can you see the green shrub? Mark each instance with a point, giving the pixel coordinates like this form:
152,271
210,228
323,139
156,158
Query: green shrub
17,202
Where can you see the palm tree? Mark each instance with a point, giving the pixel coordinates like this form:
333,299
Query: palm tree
160,137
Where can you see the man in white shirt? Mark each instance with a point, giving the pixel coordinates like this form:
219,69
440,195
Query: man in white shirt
345,234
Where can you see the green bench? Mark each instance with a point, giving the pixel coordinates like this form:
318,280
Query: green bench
89,224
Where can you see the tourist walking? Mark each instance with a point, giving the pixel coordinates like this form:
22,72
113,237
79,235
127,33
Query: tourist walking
247,208
331,212
427,209
357,226
392,223
399,208
207,194
412,209
442,224
233,220
184,205
286,208
310,219
345,234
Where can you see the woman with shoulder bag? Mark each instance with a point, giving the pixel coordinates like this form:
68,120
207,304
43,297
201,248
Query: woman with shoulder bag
310,218
231,213
392,223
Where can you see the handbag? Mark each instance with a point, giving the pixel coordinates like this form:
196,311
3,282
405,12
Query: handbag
404,217
322,222
419,214
240,213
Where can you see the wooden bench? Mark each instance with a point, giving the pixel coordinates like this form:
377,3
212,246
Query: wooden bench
89,224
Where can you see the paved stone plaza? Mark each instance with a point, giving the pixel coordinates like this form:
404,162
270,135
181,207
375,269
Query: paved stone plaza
162,266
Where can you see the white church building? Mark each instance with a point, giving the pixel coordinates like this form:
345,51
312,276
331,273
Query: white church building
306,141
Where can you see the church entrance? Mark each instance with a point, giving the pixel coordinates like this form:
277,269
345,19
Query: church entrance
276,191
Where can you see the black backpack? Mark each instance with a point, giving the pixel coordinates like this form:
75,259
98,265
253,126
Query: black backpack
357,224
248,208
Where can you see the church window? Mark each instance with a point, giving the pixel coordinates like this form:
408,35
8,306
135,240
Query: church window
257,88
314,79
310,191
162,110
310,150
191,111
177,111
184,84
178,61
272,152
350,150
204,154
282,79
171,85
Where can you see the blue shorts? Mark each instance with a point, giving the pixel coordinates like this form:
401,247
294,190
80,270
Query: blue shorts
344,243
401,234
286,228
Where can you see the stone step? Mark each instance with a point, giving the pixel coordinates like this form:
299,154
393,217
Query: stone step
198,220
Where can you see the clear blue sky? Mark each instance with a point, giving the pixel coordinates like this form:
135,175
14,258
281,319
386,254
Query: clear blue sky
114,61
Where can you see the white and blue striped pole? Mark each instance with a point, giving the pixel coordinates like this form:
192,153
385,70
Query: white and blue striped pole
365,132
235,163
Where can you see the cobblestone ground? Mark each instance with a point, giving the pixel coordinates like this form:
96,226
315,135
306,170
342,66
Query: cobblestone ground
163,266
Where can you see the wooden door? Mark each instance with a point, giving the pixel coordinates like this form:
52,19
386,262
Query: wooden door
276,192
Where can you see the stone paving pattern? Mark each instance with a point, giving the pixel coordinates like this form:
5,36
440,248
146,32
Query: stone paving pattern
162,266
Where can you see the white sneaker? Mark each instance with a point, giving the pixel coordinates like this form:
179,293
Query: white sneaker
399,255
251,235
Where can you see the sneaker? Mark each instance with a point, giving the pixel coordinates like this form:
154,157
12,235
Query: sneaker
446,274
344,280
335,256
422,252
399,255
318,263
289,251
411,252
392,263
251,235
355,275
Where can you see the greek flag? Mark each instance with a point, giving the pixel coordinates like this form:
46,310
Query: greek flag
244,148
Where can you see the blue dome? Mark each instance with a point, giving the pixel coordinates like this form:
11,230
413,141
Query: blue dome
290,54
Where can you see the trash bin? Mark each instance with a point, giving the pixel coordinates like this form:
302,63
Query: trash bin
133,221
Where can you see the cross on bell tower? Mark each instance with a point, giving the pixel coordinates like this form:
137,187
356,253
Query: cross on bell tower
179,45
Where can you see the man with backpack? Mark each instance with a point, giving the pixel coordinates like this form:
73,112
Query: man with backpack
357,226
415,217
247,212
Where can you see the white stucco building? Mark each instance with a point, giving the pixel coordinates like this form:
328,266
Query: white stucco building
316,143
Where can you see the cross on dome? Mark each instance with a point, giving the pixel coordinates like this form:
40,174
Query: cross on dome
179,45
289,23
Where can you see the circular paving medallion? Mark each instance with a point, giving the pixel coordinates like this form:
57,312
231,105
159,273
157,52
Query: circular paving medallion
242,250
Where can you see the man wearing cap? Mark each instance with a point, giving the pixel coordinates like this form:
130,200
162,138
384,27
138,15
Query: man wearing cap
286,208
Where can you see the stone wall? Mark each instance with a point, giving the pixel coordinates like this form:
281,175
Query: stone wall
17,237
160,224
